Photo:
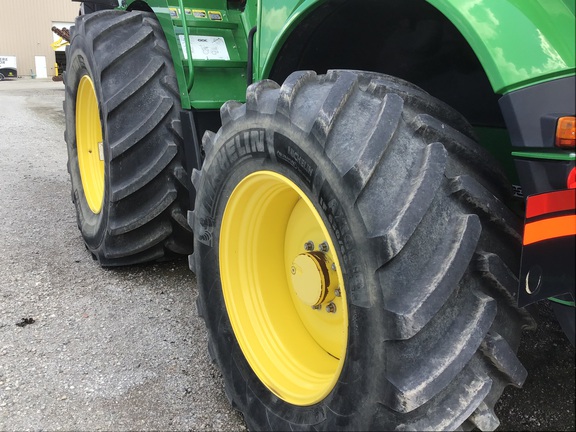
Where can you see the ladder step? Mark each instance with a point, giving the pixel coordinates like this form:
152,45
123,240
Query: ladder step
220,64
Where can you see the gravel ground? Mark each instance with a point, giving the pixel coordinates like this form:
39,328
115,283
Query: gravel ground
124,349
109,349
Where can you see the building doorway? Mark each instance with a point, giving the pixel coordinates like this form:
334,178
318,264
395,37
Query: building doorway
41,70
60,62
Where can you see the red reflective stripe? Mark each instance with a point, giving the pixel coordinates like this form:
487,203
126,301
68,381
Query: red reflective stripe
549,228
551,202
571,181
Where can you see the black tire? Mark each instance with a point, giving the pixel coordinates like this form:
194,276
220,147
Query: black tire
146,190
430,251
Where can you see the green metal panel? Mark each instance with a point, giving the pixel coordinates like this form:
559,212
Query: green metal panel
276,20
570,5
519,42
558,155
211,81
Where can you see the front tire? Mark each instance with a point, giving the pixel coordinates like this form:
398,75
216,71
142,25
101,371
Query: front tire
124,140
355,260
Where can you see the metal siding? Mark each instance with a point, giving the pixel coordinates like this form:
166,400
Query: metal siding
25,26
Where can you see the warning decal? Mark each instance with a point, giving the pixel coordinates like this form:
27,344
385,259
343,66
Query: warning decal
206,48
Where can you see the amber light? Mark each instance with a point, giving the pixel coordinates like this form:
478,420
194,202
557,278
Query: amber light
566,132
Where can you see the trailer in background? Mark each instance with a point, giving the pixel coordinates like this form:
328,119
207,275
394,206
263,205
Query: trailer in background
8,67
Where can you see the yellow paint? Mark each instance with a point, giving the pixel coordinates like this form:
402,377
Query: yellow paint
89,144
295,349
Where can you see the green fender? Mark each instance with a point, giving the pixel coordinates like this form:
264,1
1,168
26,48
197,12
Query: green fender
518,42
276,20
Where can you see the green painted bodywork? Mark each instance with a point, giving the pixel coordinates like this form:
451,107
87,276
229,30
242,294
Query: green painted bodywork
555,155
205,83
518,42
277,20
562,302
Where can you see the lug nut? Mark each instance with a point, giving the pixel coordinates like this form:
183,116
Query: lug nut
337,292
316,307
333,267
331,308
323,247
293,270
309,246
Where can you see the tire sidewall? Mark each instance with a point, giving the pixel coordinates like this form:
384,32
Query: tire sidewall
81,63
358,377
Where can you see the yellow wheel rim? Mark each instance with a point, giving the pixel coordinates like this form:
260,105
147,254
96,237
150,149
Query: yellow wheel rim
283,288
89,144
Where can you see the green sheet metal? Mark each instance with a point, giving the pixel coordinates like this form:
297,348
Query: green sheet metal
519,42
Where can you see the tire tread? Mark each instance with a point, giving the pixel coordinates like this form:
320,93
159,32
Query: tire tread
147,188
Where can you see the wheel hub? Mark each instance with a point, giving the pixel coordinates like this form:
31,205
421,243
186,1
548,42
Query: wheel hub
311,279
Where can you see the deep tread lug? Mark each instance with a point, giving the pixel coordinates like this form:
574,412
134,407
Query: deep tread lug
370,156
256,92
412,309
346,83
472,193
207,142
229,111
192,264
288,89
392,231
484,418
196,178
416,382
502,356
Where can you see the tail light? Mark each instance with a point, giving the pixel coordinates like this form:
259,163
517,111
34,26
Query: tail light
566,133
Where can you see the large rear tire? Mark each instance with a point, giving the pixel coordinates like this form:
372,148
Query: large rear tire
355,259
124,140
